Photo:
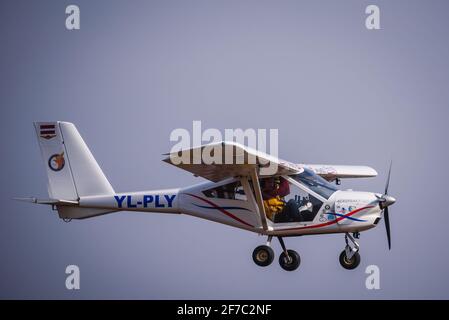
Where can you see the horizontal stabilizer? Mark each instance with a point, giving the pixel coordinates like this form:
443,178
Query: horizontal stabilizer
68,209
47,201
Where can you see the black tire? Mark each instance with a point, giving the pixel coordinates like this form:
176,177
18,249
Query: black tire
263,256
292,263
349,264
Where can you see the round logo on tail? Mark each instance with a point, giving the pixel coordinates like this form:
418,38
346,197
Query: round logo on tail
56,162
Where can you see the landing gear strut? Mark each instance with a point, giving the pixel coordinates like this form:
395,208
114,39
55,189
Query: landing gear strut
350,257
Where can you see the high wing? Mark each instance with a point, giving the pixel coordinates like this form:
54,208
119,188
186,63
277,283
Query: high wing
333,172
219,161
229,159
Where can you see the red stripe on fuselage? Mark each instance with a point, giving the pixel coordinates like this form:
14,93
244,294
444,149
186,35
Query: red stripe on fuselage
222,210
329,222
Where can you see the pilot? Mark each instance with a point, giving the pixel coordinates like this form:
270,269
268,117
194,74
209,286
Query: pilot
274,190
228,191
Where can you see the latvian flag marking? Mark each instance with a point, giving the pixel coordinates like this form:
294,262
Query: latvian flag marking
47,131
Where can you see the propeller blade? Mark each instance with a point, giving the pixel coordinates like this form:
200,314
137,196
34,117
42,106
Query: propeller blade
387,227
388,179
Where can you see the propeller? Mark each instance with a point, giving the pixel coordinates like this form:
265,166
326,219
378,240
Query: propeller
387,227
384,202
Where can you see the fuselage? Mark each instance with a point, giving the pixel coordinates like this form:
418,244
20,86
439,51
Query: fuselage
342,211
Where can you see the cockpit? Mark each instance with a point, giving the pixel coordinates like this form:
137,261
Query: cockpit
315,183
296,198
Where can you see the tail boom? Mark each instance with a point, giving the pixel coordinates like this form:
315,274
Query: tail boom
163,201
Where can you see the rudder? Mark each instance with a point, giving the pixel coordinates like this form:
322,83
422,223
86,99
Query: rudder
72,170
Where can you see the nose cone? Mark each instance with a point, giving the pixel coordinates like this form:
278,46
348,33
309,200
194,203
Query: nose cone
387,201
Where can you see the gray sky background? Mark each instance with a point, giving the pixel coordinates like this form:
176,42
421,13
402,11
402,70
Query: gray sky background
337,92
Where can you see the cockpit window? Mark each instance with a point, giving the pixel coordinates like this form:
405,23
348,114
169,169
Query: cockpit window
232,191
315,183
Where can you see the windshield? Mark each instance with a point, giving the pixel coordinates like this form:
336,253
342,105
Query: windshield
315,183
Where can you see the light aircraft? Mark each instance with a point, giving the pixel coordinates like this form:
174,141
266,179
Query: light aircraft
293,200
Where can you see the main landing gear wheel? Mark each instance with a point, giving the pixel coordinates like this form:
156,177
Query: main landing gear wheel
263,256
290,262
289,259
351,263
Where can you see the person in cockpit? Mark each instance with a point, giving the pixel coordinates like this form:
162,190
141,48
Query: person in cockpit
274,189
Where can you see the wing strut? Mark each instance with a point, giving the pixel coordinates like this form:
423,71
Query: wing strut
259,201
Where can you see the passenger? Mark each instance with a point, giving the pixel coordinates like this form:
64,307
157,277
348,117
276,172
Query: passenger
229,191
283,188
273,192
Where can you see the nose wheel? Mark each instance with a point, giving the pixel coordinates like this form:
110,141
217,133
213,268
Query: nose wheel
349,263
350,257
263,256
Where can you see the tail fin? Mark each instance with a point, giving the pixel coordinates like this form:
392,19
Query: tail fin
71,168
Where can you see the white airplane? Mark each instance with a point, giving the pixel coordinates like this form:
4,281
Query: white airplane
294,200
